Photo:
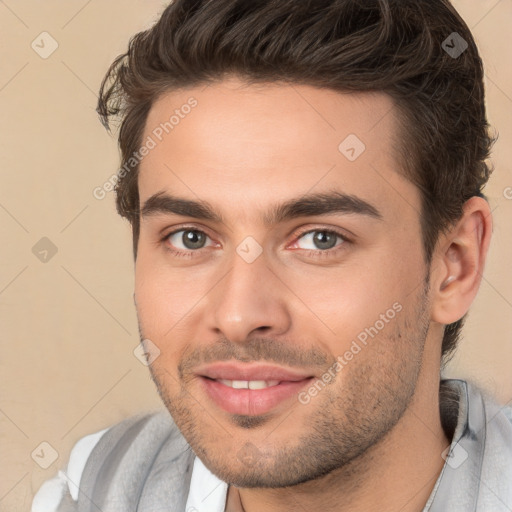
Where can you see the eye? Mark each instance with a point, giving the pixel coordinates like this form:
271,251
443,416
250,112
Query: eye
187,239
320,240
188,242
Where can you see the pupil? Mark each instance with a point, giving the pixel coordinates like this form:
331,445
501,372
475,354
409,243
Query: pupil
324,240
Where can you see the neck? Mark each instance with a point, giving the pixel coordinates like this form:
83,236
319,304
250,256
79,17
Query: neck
398,473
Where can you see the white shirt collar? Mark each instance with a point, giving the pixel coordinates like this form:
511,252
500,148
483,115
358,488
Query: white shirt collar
207,492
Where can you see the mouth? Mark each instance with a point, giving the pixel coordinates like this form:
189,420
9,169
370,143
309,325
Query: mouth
250,389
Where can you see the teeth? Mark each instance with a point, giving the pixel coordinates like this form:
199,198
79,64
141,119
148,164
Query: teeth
249,384
239,384
261,384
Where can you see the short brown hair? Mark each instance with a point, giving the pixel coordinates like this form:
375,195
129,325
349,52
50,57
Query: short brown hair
419,52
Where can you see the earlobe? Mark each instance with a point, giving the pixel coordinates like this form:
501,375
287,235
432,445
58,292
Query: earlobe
460,261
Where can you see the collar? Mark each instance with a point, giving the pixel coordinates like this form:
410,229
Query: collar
477,474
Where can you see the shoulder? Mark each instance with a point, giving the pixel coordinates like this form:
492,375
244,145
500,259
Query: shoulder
51,494
91,451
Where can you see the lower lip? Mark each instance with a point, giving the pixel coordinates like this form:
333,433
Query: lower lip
251,402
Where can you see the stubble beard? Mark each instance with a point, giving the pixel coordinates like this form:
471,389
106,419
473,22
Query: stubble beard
346,422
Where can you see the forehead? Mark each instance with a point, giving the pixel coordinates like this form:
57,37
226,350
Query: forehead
240,145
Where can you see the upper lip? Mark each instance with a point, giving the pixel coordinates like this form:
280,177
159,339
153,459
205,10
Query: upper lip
250,371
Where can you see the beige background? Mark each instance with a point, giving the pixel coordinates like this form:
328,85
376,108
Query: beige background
68,325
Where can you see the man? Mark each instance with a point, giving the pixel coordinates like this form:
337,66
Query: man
304,183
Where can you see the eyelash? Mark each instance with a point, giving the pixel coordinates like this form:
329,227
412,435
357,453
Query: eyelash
316,252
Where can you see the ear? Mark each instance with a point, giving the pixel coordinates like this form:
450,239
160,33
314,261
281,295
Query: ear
459,261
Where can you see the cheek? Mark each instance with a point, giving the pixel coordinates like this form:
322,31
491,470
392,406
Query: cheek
347,300
163,302
363,299
163,296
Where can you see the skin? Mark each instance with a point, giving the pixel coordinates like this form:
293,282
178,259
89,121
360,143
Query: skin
372,438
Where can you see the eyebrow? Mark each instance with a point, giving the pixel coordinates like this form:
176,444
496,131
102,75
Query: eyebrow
304,206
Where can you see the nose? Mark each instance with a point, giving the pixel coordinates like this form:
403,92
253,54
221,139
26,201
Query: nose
249,300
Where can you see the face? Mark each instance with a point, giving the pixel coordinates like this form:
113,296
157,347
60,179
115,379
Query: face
280,276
